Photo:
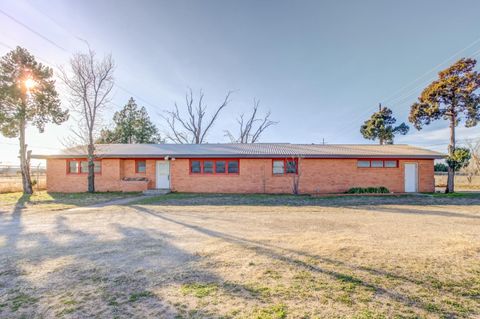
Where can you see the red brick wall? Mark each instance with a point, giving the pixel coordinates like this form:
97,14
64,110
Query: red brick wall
113,170
316,176
129,170
59,181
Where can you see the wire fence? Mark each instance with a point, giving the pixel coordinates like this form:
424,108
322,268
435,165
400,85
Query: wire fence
11,178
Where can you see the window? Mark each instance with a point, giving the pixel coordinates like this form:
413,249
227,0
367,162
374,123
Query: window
390,163
278,167
140,166
208,167
73,167
81,166
363,164
220,167
285,166
233,167
291,167
377,163
196,167
97,168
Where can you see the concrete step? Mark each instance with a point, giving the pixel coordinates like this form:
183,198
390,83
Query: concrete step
156,191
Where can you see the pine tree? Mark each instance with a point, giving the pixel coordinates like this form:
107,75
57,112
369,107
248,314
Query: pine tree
452,97
132,125
27,96
380,126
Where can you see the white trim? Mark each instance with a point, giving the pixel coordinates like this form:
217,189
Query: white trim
157,163
416,177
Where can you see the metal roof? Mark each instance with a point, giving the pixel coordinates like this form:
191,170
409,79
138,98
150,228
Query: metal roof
257,150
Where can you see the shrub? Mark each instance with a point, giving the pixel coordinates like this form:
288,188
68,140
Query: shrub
368,190
440,167
135,179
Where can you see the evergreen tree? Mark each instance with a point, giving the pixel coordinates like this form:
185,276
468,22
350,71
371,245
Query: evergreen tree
27,96
380,126
452,97
132,125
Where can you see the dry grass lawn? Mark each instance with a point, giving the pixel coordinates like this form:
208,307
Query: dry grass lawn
14,183
194,256
461,183
43,201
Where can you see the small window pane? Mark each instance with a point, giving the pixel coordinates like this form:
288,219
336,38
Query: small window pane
233,167
292,167
363,164
141,166
278,167
84,167
208,167
220,167
97,168
377,163
73,167
196,167
390,163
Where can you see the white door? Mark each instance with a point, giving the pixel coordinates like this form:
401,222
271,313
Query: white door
163,174
411,178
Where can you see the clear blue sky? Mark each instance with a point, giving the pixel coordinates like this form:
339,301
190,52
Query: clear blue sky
321,67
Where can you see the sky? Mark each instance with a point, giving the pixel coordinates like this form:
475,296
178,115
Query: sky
320,67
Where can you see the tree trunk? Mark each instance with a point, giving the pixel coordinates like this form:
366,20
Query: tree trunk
91,167
24,161
451,148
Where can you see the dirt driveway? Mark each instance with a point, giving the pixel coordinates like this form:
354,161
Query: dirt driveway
254,257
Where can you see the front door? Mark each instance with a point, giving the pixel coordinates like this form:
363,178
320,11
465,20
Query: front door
411,178
163,174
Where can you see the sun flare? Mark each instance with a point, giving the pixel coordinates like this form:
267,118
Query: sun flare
30,83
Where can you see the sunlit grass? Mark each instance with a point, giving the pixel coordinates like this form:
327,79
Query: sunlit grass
53,201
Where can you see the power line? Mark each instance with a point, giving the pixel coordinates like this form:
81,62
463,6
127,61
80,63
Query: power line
35,146
412,91
406,96
63,49
433,69
6,45
33,31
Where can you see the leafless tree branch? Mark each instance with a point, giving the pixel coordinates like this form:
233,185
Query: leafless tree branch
193,127
90,83
251,129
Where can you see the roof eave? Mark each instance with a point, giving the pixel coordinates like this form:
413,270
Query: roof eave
67,156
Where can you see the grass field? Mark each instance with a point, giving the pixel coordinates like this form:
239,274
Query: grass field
10,184
461,182
255,256
43,201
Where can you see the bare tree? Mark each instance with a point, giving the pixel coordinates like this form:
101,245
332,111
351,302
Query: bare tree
193,127
296,177
90,82
251,128
473,167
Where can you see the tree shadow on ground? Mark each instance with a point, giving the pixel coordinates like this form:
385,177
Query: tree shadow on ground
411,211
189,199
293,258
73,272
100,277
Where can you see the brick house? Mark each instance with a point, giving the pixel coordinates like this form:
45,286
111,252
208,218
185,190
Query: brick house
244,168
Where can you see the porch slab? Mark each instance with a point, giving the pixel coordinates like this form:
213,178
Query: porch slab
156,191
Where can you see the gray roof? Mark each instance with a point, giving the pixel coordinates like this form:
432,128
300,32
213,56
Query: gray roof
249,151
